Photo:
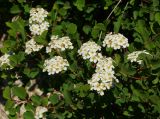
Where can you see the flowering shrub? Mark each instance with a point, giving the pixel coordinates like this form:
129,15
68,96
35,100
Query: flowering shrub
81,59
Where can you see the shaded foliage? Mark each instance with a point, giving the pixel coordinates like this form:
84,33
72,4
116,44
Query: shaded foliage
136,95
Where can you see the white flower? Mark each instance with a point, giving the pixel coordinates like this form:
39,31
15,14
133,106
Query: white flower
89,50
104,64
104,77
18,83
35,90
37,23
115,41
37,15
4,60
55,65
59,43
38,29
32,46
133,57
43,26
39,112
35,29
22,111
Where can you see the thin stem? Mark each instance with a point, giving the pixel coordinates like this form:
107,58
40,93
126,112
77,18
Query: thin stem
113,9
100,35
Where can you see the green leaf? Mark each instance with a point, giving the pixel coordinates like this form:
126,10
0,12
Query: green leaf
126,70
57,30
29,107
17,58
71,28
157,17
79,105
53,15
86,29
28,115
17,27
117,24
73,76
21,56
141,107
20,1
135,14
136,94
82,89
45,101
155,81
20,92
126,113
67,94
7,93
42,38
26,8
15,9
155,99
155,65
9,43
142,29
80,4
67,5
108,3
12,117
54,99
9,104
12,111
4,75
96,30
117,58
155,3
62,11
138,38
36,100
31,73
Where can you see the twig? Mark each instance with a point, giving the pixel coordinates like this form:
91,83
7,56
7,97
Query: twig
113,9
100,35
2,39
139,78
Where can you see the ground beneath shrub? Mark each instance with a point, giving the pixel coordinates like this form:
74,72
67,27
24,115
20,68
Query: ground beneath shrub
3,114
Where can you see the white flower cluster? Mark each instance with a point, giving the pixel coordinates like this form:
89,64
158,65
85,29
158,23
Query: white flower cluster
104,77
39,112
55,65
37,23
133,57
5,60
37,15
115,41
18,83
35,91
32,46
89,50
59,43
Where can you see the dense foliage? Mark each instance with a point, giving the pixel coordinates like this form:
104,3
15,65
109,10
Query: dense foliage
27,88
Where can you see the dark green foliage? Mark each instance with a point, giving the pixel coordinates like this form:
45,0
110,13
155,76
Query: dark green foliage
137,95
